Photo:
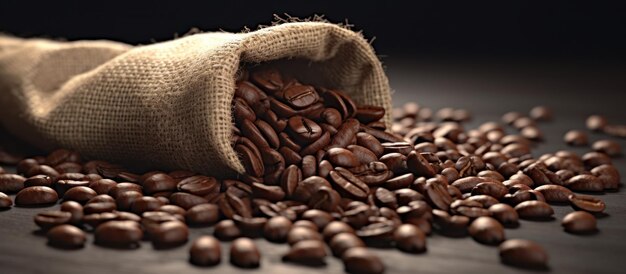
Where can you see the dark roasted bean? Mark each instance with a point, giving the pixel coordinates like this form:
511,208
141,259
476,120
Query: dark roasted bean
121,234
66,237
579,222
586,203
11,183
244,253
205,251
534,210
361,260
36,196
486,230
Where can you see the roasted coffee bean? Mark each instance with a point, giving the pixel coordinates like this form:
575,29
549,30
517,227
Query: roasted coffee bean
119,234
399,182
95,219
610,147
80,194
202,214
271,193
576,138
300,96
335,227
505,214
5,201
385,198
349,184
36,196
485,200
159,182
496,190
244,253
534,210
409,238
145,203
306,224
226,230
99,207
290,179
585,182
38,180
342,157
250,226
418,165
361,260
318,217
596,122
173,209
11,183
325,198
26,164
486,230
66,237
541,175
309,252
75,209
169,234
586,203
438,195
61,186
186,200
466,184
251,162
367,114
554,193
303,130
102,186
277,228
468,208
608,175
305,188
523,253
123,187
205,251
48,219
453,226
579,222
299,233
341,242
125,199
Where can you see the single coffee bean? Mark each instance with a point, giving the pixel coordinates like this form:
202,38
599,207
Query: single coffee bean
554,193
277,228
42,170
370,142
198,185
610,147
95,219
341,242
586,203
608,175
102,186
505,214
24,165
300,96
36,196
523,253
125,199
486,230
120,188
335,227
303,130
361,260
158,182
169,234
186,200
244,253
345,133
205,251
145,203
5,201
48,219
576,138
299,233
409,238
596,122
75,209
349,184
119,234
579,222
308,252
99,207
11,183
80,194
251,162
534,210
318,217
203,214
39,180
66,236
585,182
438,195
226,230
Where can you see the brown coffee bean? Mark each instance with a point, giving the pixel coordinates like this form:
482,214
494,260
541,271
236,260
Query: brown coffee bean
95,219
169,234
226,230
610,147
5,201
271,193
305,188
119,234
269,79
75,209
318,217
534,210
579,222
523,253
300,96
576,138
244,253
349,184
11,183
205,251
39,180
186,200
203,214
608,175
102,186
300,233
325,198
36,196
585,182
486,230
303,130
48,219
505,214
99,207
342,157
159,182
409,238
367,114
80,194
554,193
361,260
586,203
66,237
308,252
251,162
125,199
596,122
277,228
496,190
418,165
146,203
438,195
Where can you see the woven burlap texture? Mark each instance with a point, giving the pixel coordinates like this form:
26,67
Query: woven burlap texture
166,105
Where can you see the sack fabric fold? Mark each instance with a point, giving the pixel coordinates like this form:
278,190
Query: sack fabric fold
166,105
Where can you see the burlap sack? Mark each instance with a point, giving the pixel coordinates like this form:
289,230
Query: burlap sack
167,105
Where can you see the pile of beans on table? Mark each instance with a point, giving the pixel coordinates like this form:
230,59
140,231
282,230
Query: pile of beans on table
325,174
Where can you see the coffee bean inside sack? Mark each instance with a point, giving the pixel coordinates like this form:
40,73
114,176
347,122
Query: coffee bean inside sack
329,177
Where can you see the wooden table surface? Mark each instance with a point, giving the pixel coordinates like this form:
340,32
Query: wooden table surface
488,90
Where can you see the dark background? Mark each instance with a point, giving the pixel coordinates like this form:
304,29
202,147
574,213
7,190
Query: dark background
555,30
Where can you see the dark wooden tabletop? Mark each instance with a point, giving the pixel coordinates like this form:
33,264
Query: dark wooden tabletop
573,90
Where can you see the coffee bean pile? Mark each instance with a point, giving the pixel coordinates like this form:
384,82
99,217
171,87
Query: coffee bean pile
327,177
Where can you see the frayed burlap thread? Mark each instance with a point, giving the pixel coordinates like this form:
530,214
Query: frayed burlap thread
166,105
